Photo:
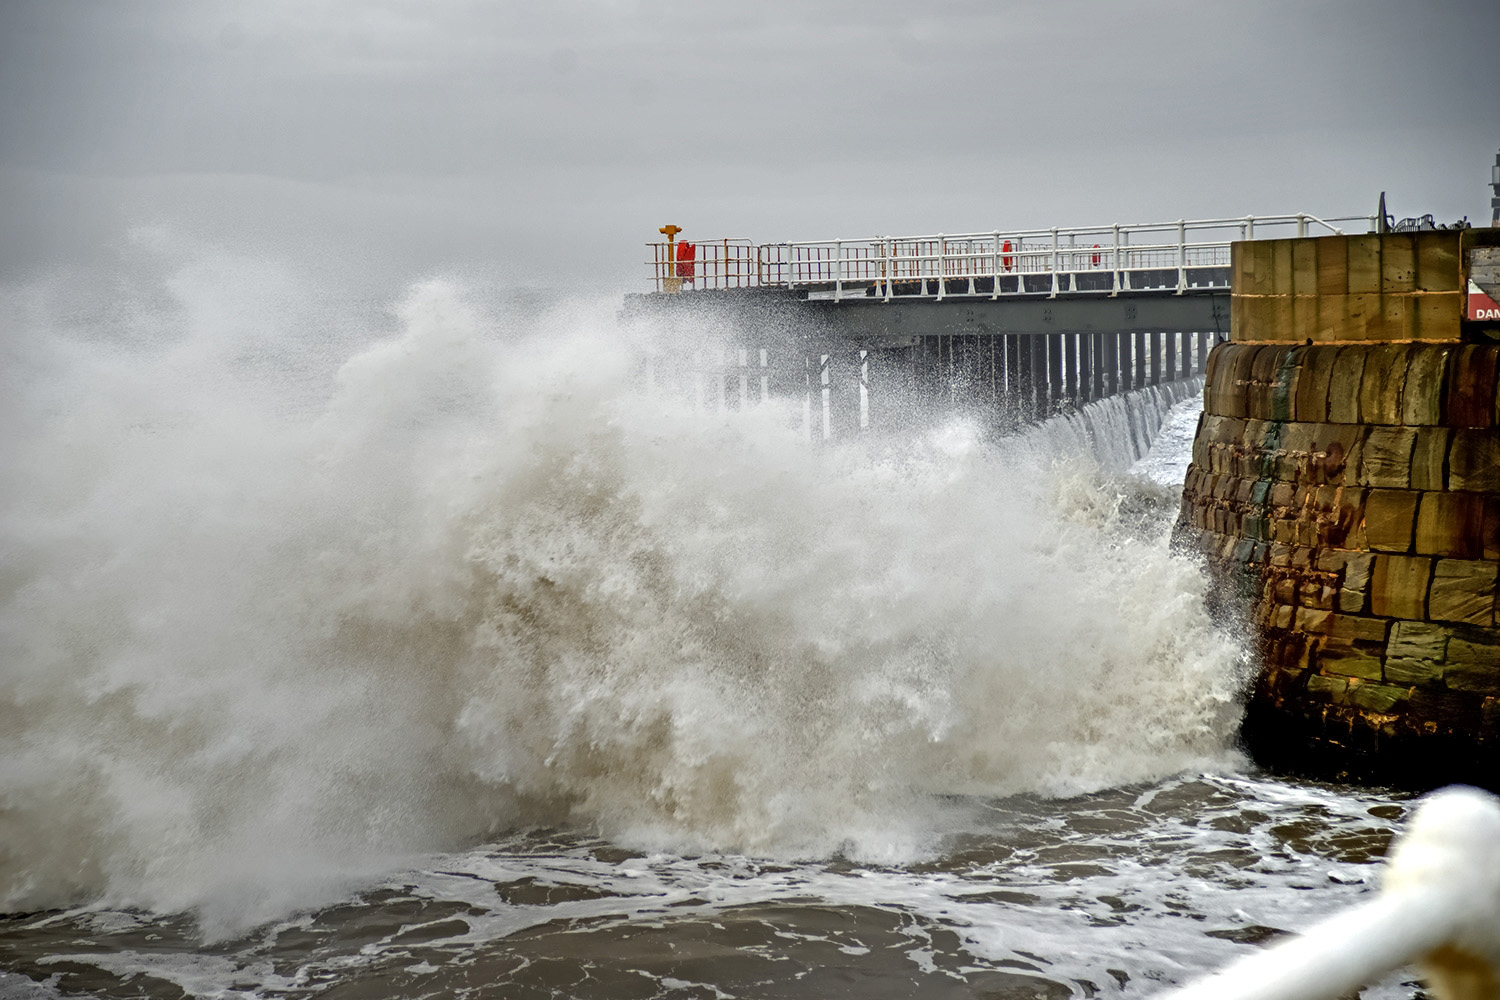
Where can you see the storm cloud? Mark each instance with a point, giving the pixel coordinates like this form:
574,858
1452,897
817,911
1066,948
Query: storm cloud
543,143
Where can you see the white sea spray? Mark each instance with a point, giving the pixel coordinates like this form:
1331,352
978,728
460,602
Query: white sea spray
281,612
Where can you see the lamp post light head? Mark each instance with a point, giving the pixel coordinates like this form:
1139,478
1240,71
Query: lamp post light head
671,283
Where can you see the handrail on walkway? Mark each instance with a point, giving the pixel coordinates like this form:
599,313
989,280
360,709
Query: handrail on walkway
1439,907
1166,256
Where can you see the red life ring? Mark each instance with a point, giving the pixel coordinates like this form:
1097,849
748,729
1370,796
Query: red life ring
1007,261
1096,255
686,256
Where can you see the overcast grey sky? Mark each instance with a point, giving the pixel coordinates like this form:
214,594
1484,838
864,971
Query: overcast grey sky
543,142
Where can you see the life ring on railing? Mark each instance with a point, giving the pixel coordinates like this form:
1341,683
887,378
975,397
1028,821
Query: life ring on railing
1007,261
687,255
1095,258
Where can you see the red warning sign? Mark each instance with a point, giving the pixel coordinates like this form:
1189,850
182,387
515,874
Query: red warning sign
1481,306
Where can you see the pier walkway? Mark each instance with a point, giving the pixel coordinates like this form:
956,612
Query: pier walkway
1022,324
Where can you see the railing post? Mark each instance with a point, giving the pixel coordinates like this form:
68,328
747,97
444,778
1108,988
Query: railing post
1250,227
1181,256
1054,264
942,253
838,270
1301,225
995,268
888,266
1115,267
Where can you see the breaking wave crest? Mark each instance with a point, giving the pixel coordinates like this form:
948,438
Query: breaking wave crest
280,614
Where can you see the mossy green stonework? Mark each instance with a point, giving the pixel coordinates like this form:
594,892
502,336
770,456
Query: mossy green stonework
1345,487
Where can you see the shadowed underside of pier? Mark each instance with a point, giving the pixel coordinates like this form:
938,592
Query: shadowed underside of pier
867,362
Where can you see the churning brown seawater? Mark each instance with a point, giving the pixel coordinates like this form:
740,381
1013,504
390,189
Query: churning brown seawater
439,660
1111,894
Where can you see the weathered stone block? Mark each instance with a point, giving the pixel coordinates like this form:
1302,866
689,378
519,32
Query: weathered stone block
1398,263
1403,670
1305,319
1347,660
1331,561
1380,386
1437,263
1343,385
1463,590
1259,434
1474,676
1475,648
1240,323
1389,516
1474,460
1400,319
1333,319
1283,616
1439,315
1304,267
1385,458
1312,621
1307,532
1234,388
1364,316
1281,267
1332,689
1263,381
1398,586
1351,628
1378,698
1364,263
1284,391
1333,266
1336,452
1429,457
1422,389
1228,430
1216,355
1471,386
1458,524
1357,569
1418,640
1312,383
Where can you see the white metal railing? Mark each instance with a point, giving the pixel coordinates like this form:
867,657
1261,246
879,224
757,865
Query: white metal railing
1439,907
1106,260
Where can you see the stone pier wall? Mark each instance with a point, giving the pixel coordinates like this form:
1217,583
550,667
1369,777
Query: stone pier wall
1345,487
